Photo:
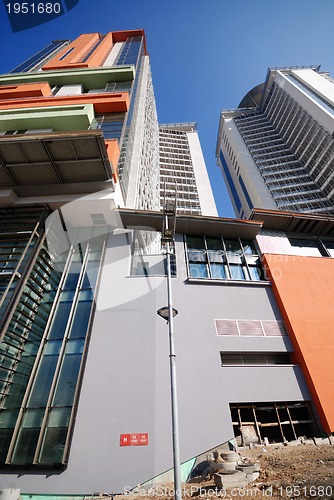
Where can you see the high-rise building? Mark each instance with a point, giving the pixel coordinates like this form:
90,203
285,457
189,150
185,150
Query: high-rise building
79,137
84,358
99,86
276,150
182,170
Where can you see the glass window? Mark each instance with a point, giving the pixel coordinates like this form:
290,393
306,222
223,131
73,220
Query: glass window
148,258
237,272
329,247
255,273
198,270
61,316
28,436
306,247
218,271
220,258
57,365
44,377
53,446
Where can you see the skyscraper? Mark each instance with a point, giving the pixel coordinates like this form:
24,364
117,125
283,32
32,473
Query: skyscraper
79,137
84,378
276,150
182,170
99,86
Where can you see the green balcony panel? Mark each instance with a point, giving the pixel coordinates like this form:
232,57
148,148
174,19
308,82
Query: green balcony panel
60,118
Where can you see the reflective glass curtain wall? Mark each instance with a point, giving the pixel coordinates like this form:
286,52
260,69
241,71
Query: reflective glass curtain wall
39,420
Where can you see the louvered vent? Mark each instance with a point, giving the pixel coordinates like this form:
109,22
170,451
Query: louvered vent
250,328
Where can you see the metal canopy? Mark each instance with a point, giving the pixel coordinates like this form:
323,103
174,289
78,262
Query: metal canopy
55,158
292,222
191,224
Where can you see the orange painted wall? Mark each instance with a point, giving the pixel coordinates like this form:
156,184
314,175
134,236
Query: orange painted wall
103,103
98,56
42,89
81,46
304,289
113,155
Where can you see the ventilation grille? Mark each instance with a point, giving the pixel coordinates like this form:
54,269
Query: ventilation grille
250,328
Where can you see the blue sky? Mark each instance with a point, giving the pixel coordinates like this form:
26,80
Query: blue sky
205,55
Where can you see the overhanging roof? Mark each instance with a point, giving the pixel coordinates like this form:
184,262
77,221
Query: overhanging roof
192,224
29,161
294,222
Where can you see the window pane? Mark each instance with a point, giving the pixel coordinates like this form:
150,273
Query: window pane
196,243
7,424
67,380
73,276
55,435
214,243
59,323
237,272
41,388
216,256
196,255
248,247
218,271
233,247
255,273
306,247
330,247
81,317
28,436
198,270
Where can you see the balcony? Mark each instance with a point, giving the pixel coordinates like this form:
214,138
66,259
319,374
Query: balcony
55,163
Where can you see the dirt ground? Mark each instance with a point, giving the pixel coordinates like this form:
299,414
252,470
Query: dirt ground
294,472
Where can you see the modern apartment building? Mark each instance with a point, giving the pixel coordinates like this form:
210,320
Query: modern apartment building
88,409
183,174
99,86
84,359
276,150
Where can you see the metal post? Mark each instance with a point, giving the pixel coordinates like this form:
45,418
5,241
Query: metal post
172,365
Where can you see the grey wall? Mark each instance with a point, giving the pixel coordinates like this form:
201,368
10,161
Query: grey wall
126,382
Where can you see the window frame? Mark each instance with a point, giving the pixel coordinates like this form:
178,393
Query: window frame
229,259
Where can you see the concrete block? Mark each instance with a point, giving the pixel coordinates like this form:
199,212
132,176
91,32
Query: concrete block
231,479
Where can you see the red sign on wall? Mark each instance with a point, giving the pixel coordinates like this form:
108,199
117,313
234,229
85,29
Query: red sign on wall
134,439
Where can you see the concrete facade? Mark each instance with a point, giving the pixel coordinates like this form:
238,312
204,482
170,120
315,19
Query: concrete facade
125,386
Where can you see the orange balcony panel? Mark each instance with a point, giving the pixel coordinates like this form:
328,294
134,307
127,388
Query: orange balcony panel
72,55
42,89
103,103
113,155
122,36
304,289
101,52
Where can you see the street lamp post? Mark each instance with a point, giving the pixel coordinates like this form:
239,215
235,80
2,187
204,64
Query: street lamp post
168,314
